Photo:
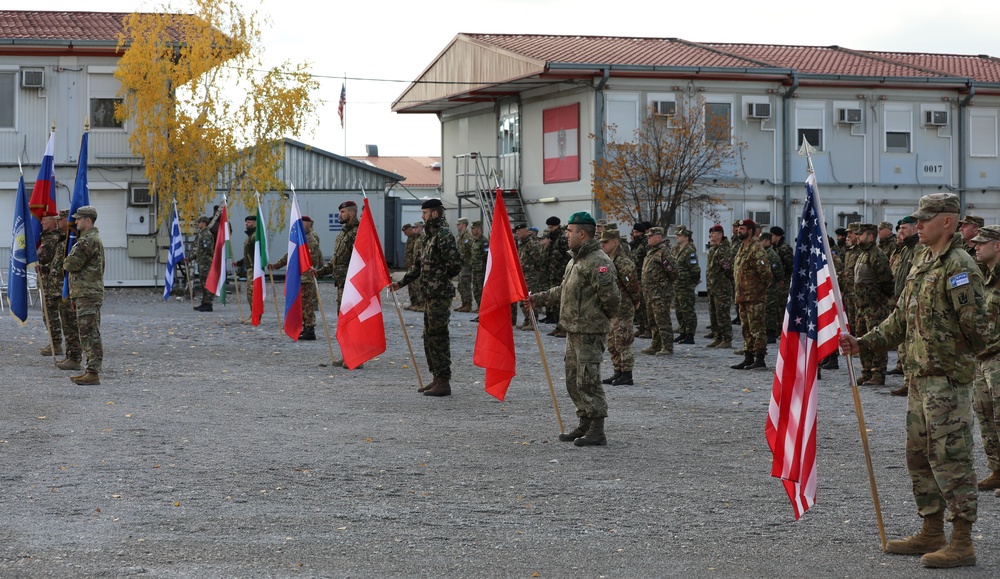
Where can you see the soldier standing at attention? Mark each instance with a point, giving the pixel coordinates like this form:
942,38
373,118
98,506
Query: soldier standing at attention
85,264
719,280
529,253
942,324
412,251
70,328
753,274
969,228
907,239
437,262
309,298
204,250
775,307
847,281
639,246
418,284
342,249
787,255
688,277
556,258
250,224
658,275
479,252
873,288
589,298
886,239
620,337
51,251
986,393
464,241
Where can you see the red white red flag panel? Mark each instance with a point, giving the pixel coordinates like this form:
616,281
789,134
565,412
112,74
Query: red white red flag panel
561,144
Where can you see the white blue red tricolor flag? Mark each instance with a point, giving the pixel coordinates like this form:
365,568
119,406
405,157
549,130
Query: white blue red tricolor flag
298,261
175,255
810,332
43,193
23,253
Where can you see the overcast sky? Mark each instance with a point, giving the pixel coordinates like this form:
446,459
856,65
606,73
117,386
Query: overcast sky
382,45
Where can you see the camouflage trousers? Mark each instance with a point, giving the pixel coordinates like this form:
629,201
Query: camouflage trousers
52,303
774,314
687,319
986,402
620,340
720,303
939,447
249,289
584,353
70,330
753,327
415,290
465,286
437,340
640,314
872,363
309,302
478,281
207,297
658,321
88,320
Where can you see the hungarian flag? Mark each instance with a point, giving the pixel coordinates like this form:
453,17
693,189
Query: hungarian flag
811,332
259,264
215,281
298,262
504,286
43,194
561,144
360,331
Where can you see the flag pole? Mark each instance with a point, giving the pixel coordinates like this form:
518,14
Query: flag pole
274,294
842,315
545,364
326,328
413,358
187,266
45,313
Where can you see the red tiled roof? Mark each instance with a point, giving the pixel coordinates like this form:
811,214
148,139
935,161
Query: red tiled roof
417,171
80,26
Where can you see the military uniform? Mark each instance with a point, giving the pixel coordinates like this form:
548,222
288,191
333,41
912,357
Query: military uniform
338,264
719,282
873,288
685,284
986,393
752,271
464,241
51,252
621,336
85,264
658,275
413,241
204,251
310,301
248,254
787,256
847,280
776,299
900,263
556,258
529,253
479,251
639,246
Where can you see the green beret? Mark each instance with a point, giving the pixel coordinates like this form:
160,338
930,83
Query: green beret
581,218
907,219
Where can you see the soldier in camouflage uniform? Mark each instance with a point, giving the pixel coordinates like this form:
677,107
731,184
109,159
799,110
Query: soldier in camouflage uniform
437,262
342,248
413,242
248,253
887,239
620,336
685,284
907,239
658,275
85,264
873,288
589,296
479,252
719,281
51,250
776,301
529,253
70,328
204,251
310,301
847,280
942,324
639,246
752,271
464,241
556,257
969,228
986,393
787,255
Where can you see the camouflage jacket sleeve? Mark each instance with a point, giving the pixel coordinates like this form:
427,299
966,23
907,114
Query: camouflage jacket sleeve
688,269
85,264
342,253
204,245
777,268
628,282
48,249
787,260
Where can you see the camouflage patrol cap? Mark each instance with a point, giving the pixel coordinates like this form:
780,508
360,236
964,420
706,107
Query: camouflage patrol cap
612,226
885,225
85,211
654,231
204,219
602,222
853,226
63,213
931,205
683,230
418,223
462,221
610,234
867,228
987,233
765,235
974,220
478,224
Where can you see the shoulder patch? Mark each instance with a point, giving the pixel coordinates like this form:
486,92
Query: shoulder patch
694,260
602,269
959,280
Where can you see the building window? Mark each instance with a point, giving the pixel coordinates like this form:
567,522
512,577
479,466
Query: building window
810,118
102,114
897,142
898,127
718,121
983,132
509,133
8,91
814,136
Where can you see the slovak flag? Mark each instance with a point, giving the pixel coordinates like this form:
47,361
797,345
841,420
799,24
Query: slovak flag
298,262
504,286
360,330
43,194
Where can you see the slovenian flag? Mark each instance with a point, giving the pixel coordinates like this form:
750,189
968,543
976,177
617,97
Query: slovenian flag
298,262
43,194
259,264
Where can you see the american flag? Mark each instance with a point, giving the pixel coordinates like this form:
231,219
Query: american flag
810,332
343,103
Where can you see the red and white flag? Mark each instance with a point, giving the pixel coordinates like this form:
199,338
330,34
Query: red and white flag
259,265
561,144
215,281
504,286
360,330
811,332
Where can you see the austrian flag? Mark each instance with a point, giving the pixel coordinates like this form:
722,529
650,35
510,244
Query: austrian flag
561,144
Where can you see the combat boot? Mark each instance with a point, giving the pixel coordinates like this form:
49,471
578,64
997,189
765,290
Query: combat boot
714,343
667,351
758,362
725,345
832,362
624,380
427,387
709,335
88,378
929,539
897,371
646,335
560,333
47,350
903,390
595,434
612,379
576,432
686,339
746,363
991,482
68,364
464,308
679,338
650,350
308,333
958,553
442,388
553,332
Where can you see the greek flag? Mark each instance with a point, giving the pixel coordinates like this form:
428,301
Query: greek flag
175,255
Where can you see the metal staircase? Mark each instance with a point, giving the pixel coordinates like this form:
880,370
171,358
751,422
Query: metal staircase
477,178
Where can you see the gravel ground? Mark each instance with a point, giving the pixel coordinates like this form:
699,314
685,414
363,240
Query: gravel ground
216,449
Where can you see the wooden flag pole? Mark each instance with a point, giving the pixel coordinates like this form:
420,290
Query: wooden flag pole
413,358
545,364
326,328
239,303
274,294
45,314
864,443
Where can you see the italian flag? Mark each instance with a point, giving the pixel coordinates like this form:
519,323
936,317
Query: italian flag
259,264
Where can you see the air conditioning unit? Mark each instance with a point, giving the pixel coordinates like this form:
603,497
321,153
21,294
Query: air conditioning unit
759,111
140,196
849,116
32,77
935,118
664,108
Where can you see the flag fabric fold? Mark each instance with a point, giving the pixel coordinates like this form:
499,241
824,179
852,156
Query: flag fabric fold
23,254
259,265
215,280
342,105
360,329
43,193
81,198
175,255
298,262
810,332
504,285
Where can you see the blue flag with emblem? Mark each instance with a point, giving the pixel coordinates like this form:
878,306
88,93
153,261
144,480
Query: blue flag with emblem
23,253
175,255
81,197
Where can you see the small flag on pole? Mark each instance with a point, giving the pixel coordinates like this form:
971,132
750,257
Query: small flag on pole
810,332
215,281
342,105
43,193
259,265
23,253
175,255
81,198
299,261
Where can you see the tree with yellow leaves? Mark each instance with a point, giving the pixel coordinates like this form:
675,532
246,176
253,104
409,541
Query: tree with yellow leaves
204,113
670,163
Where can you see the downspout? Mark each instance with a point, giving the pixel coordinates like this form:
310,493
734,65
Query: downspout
789,138
599,128
962,146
